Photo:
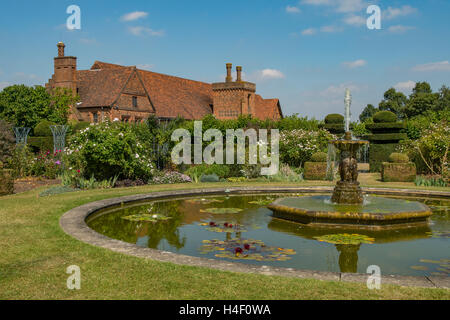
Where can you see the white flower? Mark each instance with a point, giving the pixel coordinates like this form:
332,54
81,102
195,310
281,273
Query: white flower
137,156
154,216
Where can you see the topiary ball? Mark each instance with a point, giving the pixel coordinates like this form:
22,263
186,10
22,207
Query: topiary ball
398,158
42,129
209,178
319,157
334,118
384,117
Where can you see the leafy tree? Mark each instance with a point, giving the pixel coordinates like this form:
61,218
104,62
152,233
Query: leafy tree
443,102
25,106
421,100
367,113
393,101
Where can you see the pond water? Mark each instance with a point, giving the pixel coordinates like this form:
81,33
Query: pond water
242,229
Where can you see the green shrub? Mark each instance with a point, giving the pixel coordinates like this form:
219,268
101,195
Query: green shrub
7,141
41,144
384,117
286,174
43,129
319,157
385,127
334,118
398,158
221,170
108,150
387,137
80,126
334,127
209,178
6,182
21,162
433,181
379,153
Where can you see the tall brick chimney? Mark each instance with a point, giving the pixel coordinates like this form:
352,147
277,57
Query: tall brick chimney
239,74
232,99
65,70
229,78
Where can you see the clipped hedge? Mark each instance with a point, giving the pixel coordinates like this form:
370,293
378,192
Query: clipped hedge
43,129
6,182
41,144
319,157
398,172
315,170
388,137
385,127
398,158
334,127
384,117
334,118
379,153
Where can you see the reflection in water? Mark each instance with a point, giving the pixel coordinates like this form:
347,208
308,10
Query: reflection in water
348,257
395,250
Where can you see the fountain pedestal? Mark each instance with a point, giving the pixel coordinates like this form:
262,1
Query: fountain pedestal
347,190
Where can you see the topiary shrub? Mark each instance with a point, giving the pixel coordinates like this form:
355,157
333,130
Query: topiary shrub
209,178
398,172
334,118
384,117
398,158
6,182
319,157
7,141
80,126
43,129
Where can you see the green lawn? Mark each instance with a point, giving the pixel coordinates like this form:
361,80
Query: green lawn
35,253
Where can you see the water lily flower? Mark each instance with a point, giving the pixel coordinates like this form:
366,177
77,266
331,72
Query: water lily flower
238,250
246,246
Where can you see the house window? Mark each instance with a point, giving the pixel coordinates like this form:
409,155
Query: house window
137,120
134,102
95,116
125,119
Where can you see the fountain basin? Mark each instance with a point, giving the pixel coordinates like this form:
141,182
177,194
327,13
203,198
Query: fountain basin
375,212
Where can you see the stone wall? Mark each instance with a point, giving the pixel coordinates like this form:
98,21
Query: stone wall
398,172
315,170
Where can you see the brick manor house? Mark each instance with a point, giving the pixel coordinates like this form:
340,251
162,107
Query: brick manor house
110,91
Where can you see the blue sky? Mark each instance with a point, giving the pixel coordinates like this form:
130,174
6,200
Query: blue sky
303,52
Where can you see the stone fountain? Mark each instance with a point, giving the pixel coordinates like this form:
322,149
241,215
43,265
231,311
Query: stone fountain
347,205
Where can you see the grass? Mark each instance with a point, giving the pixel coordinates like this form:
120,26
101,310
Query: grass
35,253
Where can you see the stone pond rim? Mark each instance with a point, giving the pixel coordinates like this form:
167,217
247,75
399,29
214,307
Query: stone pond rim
380,213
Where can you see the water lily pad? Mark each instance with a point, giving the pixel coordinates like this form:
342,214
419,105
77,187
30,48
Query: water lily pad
224,227
262,202
421,268
429,261
439,234
222,210
146,217
246,249
204,201
345,238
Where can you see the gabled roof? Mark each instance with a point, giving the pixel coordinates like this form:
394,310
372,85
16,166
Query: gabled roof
170,96
267,108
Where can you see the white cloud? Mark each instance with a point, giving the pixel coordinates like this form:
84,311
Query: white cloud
145,66
140,31
336,91
405,86
343,6
132,16
355,20
330,29
433,66
400,29
309,32
268,74
292,9
392,13
355,64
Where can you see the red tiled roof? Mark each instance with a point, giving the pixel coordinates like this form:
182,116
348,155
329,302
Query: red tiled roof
171,96
267,108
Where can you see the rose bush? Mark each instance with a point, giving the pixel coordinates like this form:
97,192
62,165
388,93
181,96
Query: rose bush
297,146
108,150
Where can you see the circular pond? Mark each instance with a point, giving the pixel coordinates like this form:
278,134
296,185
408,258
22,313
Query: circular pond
242,229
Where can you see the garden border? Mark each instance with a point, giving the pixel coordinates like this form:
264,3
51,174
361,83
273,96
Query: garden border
73,223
